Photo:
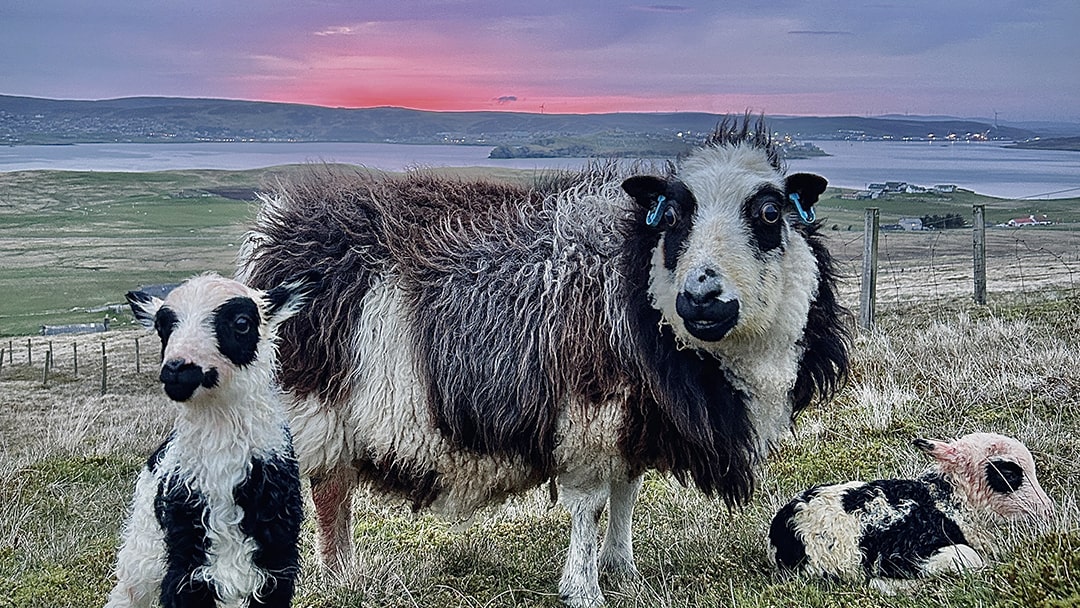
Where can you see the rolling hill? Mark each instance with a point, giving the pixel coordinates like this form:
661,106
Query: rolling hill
27,120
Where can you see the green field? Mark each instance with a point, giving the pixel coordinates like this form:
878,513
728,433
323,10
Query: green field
72,243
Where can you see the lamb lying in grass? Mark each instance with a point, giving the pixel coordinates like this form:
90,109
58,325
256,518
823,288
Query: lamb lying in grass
911,528
217,508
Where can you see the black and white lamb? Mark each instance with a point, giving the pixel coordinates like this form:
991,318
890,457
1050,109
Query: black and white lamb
474,339
911,528
217,508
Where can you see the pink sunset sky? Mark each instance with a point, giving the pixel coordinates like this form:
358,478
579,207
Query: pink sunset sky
963,58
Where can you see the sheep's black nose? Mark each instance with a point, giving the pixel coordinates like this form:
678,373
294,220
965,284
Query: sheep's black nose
706,315
181,378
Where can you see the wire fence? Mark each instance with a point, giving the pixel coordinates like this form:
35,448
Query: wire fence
926,269
103,359
936,267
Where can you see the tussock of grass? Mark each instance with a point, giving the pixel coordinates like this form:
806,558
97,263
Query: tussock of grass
69,456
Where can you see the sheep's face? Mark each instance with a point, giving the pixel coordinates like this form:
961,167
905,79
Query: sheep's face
212,329
728,264
994,472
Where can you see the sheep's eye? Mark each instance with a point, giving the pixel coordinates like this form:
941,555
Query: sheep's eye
671,216
770,213
242,324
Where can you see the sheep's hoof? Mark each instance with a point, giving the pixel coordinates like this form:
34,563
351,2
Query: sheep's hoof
582,599
619,570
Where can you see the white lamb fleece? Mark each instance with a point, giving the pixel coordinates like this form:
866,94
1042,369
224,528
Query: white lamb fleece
835,549
140,561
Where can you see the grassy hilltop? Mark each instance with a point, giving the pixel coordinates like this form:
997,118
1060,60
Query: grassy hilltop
935,366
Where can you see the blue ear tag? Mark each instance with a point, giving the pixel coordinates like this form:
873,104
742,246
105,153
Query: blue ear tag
808,217
657,212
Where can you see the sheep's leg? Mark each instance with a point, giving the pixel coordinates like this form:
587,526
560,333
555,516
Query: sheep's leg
953,558
332,496
140,563
579,586
617,552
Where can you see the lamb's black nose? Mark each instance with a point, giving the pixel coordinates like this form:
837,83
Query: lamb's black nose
181,378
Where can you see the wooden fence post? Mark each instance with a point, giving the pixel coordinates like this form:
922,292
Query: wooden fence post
137,369
75,357
45,370
979,243
104,369
29,354
1,360
868,295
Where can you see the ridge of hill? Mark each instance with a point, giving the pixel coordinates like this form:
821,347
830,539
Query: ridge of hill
29,120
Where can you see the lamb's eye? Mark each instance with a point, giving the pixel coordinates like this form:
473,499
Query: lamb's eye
770,213
242,324
671,216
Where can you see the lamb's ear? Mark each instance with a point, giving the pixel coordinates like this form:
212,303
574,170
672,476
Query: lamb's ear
645,188
284,300
144,306
807,186
939,450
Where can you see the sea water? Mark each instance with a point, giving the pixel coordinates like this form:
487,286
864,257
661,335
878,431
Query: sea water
985,167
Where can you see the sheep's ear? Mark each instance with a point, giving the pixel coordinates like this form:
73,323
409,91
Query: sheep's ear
645,188
284,300
939,450
144,306
807,186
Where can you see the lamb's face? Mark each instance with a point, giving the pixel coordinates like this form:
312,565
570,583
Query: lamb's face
212,329
996,473
728,264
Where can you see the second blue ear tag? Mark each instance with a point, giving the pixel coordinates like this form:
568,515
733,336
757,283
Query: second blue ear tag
657,212
807,216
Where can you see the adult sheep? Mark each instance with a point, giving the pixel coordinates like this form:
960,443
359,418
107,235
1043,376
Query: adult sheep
472,340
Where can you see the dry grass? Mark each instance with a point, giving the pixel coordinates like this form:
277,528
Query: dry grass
68,457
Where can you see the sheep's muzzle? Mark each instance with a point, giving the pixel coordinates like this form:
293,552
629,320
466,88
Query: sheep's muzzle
182,378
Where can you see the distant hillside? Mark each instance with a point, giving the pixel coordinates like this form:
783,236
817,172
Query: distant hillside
25,120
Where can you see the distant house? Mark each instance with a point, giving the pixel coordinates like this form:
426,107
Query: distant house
75,328
895,186
945,188
878,187
1031,220
913,189
863,195
911,223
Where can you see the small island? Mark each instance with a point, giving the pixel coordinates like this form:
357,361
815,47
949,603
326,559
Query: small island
1070,144
627,147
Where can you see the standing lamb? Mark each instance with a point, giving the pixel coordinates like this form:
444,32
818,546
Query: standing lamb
473,339
217,508
909,528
